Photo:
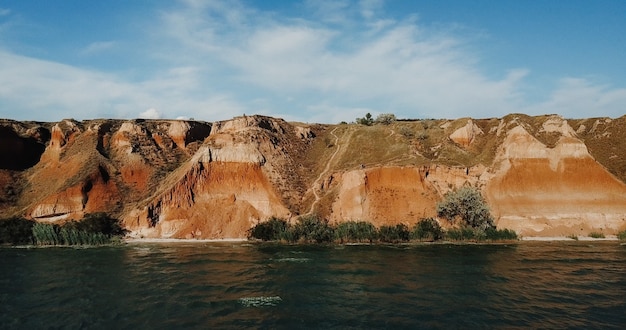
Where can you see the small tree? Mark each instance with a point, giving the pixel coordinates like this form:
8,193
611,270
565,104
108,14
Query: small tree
367,120
272,230
385,118
467,206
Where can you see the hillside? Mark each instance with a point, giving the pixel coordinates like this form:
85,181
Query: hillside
542,176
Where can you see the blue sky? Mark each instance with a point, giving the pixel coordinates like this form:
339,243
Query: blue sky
312,61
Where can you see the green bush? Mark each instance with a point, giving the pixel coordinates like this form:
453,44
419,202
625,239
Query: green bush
367,120
394,234
352,231
313,229
427,229
500,234
99,223
46,234
460,234
385,118
16,231
595,234
94,229
272,230
622,235
467,206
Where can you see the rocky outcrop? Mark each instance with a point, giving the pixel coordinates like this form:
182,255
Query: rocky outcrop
385,196
554,191
465,135
542,176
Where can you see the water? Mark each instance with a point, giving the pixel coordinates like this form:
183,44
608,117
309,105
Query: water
240,285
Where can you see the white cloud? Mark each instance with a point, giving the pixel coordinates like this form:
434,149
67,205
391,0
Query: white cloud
49,91
151,113
97,47
216,60
370,7
330,11
577,97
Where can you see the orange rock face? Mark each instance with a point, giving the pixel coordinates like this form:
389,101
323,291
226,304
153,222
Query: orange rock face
186,179
555,192
385,196
212,200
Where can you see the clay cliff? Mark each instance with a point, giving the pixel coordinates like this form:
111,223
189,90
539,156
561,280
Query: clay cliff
542,176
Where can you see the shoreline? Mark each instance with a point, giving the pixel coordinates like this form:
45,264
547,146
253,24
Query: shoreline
135,240
566,238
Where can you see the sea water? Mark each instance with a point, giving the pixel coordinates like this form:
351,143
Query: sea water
244,285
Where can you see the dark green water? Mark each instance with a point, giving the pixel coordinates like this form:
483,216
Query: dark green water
238,285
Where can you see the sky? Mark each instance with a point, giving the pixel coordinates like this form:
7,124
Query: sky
311,61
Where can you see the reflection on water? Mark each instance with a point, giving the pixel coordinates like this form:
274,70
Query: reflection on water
239,285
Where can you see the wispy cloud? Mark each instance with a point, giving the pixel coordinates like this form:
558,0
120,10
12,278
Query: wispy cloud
398,66
151,114
4,12
45,90
576,96
97,47
215,60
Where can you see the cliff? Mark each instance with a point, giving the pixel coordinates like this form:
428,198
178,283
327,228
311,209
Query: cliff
542,176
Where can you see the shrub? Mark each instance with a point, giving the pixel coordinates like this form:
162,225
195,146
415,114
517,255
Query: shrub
367,120
622,235
385,118
468,206
16,231
272,230
394,234
98,223
500,234
427,229
94,229
595,234
46,234
313,229
407,132
352,231
573,236
460,234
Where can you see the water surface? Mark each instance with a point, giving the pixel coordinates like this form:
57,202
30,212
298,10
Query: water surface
241,285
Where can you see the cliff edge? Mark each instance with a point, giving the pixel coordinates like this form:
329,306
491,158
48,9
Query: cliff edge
542,176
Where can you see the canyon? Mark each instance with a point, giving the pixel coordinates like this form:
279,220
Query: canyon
541,175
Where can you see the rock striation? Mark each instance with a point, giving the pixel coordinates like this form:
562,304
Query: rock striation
542,176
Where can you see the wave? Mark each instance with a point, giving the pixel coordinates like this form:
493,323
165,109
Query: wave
260,301
293,260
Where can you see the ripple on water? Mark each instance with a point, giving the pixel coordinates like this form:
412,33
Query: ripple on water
260,301
293,260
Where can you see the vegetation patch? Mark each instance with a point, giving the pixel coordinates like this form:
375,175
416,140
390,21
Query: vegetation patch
94,229
466,207
16,231
313,229
595,234
427,230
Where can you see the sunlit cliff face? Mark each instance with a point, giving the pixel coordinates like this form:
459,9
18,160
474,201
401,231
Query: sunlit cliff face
542,176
